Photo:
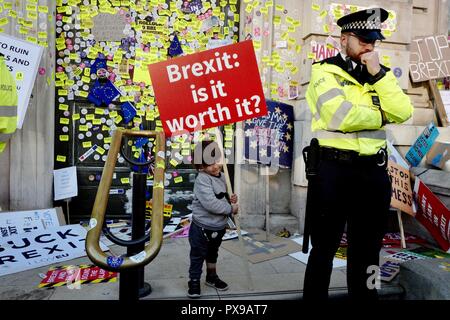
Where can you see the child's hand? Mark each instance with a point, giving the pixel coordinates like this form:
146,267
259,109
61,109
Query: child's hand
235,208
234,198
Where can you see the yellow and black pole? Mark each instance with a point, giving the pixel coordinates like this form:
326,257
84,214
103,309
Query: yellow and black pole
138,255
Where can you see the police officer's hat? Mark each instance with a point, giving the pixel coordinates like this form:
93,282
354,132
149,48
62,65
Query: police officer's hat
365,23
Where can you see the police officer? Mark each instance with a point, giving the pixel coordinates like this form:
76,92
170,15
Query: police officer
8,104
352,96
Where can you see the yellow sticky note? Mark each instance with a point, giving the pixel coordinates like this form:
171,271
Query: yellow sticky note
87,144
178,179
100,150
118,119
75,116
315,7
64,121
173,162
125,180
61,158
63,137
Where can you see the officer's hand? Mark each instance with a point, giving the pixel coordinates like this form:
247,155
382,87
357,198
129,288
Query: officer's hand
235,208
234,198
372,61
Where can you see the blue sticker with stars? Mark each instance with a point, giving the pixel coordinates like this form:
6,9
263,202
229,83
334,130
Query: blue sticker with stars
103,93
114,262
269,139
128,112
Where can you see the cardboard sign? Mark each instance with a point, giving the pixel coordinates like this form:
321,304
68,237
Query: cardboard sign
430,58
433,214
22,59
208,89
422,145
439,155
65,183
41,248
402,197
19,222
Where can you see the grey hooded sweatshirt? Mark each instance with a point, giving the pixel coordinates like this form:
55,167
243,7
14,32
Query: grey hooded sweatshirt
210,207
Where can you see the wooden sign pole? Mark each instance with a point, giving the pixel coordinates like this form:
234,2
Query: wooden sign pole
266,172
402,233
236,218
439,104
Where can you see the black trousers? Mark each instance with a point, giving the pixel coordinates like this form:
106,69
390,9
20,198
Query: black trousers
204,246
357,194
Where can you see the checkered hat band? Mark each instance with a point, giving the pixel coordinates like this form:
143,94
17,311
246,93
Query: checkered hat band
356,25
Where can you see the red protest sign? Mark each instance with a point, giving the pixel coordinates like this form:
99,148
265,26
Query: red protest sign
208,89
433,214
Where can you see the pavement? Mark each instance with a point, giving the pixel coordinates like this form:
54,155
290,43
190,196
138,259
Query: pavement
276,279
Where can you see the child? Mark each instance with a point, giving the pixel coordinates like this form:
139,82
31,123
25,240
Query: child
211,209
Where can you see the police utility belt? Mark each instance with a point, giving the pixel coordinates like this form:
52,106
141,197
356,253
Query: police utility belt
353,157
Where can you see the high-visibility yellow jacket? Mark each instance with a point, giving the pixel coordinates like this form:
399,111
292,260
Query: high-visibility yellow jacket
8,104
347,115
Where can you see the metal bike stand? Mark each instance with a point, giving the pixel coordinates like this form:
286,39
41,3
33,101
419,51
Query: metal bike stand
131,281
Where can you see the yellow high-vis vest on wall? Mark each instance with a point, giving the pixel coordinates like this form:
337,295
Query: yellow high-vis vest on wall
8,104
347,115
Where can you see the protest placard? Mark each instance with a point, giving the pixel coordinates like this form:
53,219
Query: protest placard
270,139
43,247
22,59
422,145
208,89
402,197
429,58
433,214
18,222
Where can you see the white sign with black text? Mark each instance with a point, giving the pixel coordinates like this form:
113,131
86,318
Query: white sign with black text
65,183
41,248
18,222
22,58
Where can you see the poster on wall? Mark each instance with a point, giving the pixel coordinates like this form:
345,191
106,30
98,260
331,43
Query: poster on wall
269,139
65,183
22,59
